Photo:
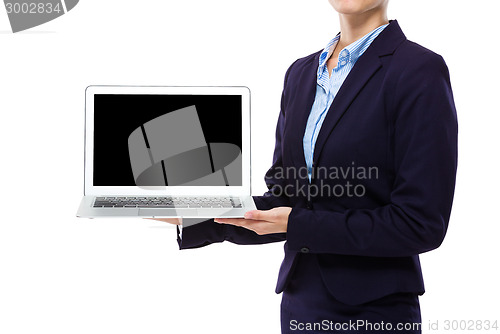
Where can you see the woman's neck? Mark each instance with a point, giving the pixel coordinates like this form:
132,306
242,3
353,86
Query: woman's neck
353,27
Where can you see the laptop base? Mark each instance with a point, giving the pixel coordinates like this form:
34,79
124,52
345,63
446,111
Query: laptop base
86,210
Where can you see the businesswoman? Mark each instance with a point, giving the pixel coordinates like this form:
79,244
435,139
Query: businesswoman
362,179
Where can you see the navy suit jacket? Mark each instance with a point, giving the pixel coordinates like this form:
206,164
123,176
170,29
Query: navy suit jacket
394,114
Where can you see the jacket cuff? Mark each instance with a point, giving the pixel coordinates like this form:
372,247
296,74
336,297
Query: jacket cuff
301,230
200,234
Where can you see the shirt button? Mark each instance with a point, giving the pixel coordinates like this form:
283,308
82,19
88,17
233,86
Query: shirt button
342,62
344,53
304,250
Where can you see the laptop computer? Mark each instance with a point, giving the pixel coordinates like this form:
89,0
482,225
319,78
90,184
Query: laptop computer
166,152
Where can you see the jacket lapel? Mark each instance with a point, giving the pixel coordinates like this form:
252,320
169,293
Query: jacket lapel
302,107
366,66
364,69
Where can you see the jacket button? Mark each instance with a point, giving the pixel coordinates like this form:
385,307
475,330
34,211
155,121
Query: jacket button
304,250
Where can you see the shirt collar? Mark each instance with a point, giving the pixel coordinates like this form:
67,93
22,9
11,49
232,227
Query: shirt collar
350,53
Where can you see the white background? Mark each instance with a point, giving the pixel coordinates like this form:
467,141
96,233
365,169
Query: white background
60,274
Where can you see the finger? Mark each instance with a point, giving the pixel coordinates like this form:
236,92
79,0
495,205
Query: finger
238,221
258,226
231,221
267,215
254,225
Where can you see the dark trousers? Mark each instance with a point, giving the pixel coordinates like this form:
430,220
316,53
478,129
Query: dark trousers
308,307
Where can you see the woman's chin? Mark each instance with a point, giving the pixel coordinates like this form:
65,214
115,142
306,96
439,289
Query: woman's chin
355,7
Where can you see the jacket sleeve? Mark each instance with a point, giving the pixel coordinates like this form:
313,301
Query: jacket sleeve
425,153
208,232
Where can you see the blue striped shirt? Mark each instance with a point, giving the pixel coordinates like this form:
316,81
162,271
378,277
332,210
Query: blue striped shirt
328,86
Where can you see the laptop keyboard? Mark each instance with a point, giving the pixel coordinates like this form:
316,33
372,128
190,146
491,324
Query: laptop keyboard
166,202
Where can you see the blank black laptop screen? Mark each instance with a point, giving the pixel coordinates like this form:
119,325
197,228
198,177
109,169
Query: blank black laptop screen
167,140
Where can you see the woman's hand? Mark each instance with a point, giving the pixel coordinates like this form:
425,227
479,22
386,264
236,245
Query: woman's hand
262,221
